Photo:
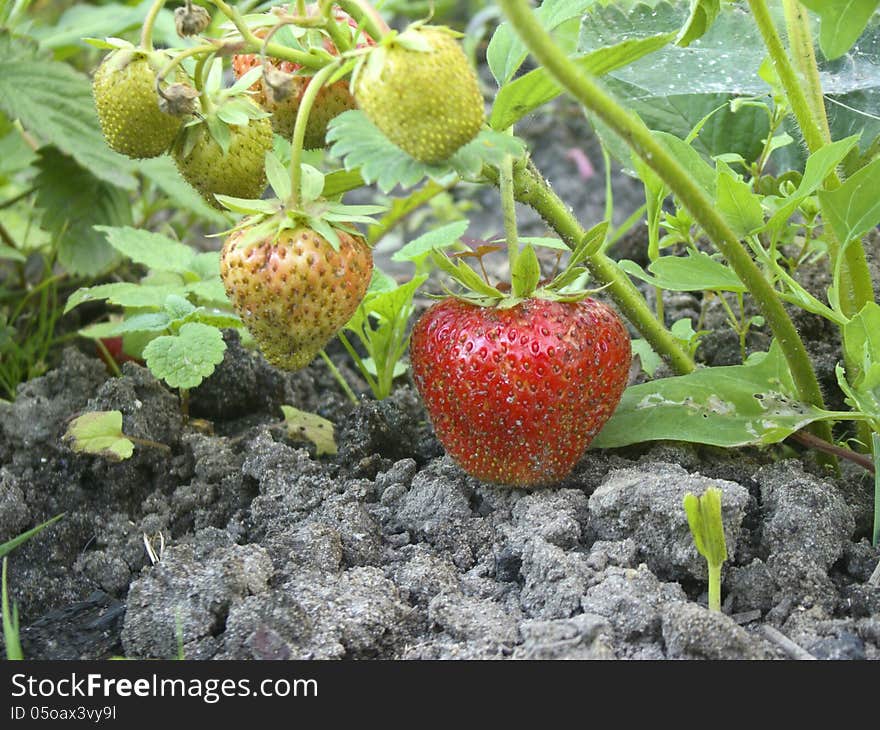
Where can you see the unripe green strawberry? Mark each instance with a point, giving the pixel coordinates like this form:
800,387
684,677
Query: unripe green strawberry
128,105
295,292
427,102
239,172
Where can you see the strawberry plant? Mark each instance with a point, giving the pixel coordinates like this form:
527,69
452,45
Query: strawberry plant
323,100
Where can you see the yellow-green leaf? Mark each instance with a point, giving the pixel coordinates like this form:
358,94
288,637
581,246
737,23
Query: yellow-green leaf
310,427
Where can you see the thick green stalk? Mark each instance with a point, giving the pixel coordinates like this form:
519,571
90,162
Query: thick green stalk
800,43
857,288
532,190
701,207
299,132
508,208
797,98
149,22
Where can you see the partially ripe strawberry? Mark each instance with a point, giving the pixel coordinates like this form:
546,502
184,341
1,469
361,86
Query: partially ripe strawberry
238,172
124,88
294,291
422,93
516,395
330,102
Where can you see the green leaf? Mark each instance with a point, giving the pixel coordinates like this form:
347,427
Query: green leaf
650,360
694,272
433,240
818,167
82,20
177,307
73,201
54,103
185,359
853,208
554,244
703,14
734,199
278,176
341,181
99,433
534,89
506,51
210,292
163,173
842,23
123,294
726,406
466,276
153,250
356,140
526,273
690,159
380,323
303,426
861,339
312,183
706,525
144,322
10,545
7,253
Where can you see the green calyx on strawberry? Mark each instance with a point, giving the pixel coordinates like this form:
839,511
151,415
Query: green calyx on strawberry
295,273
517,384
133,118
281,89
221,152
421,92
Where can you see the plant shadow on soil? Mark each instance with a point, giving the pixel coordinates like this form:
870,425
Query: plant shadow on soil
389,550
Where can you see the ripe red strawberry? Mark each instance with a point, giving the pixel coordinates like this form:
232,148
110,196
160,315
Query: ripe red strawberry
516,395
295,292
330,102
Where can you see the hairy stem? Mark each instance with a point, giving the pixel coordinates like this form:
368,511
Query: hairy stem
800,42
698,203
531,189
205,49
299,132
814,442
508,208
149,22
857,288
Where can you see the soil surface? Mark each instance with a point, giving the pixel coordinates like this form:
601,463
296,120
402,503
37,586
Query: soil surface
389,550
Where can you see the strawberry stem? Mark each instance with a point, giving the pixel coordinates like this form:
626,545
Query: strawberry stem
299,132
182,56
149,22
365,14
508,209
199,78
254,44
